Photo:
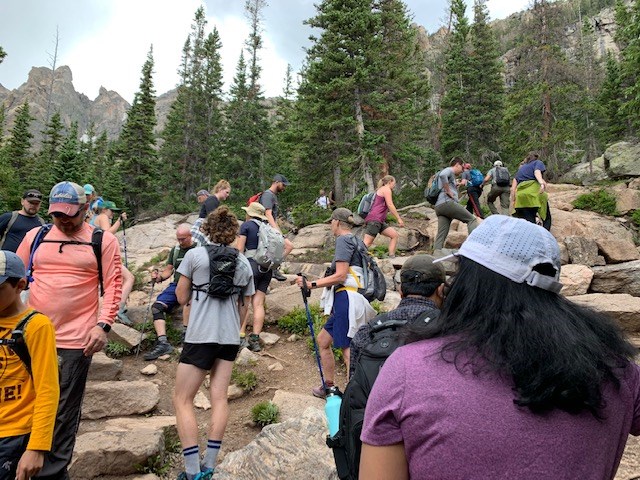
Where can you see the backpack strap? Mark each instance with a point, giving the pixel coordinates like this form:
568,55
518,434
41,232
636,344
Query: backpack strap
12,220
96,244
37,240
17,342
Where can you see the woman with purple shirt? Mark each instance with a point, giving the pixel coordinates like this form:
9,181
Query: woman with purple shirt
512,381
376,220
529,191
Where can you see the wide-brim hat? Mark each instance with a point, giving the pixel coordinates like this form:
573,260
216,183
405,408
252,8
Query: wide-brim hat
255,210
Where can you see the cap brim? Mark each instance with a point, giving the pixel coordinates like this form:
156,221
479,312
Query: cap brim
447,258
3,279
68,209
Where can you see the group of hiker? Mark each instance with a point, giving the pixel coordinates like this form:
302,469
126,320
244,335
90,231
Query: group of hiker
456,382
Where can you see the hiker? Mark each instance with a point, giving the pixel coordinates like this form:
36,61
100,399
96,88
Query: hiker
248,241
106,212
65,287
211,344
332,200
376,219
221,192
473,179
269,199
201,196
421,290
15,225
349,309
167,299
529,191
447,207
28,378
500,187
323,201
523,384
94,201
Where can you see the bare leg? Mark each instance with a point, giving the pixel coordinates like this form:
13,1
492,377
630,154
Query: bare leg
127,285
393,239
326,355
257,301
368,239
220,377
346,355
188,381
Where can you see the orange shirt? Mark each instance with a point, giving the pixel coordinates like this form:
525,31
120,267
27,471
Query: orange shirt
29,404
65,286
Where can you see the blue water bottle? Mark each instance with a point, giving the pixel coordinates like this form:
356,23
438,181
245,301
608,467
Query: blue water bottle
332,409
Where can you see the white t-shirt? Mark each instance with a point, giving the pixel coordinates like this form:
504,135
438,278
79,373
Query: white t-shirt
323,202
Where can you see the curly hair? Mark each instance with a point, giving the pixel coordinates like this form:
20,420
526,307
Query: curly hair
221,226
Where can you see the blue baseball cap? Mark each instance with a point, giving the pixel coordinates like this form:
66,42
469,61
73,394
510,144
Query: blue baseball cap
11,266
88,189
67,198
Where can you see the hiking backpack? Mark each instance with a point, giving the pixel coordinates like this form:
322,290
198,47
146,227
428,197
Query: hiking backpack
254,198
476,178
12,220
270,252
385,336
374,286
222,269
17,343
502,176
96,245
364,207
432,192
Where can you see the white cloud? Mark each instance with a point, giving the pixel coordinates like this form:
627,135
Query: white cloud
504,8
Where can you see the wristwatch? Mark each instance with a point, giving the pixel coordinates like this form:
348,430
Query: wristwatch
314,285
104,326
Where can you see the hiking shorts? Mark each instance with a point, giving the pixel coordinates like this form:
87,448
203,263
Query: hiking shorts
261,280
11,449
168,296
338,324
204,355
374,228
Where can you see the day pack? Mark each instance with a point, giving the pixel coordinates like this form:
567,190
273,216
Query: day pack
254,198
502,176
476,178
374,286
17,343
432,192
364,207
270,252
222,269
96,245
385,336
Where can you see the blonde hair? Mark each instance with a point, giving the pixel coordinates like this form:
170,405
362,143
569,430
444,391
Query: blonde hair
387,179
221,185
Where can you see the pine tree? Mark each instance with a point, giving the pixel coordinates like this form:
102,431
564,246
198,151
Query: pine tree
70,166
2,54
629,40
17,148
42,177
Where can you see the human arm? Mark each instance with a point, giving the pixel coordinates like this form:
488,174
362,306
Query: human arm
183,289
388,198
30,464
269,214
384,462
512,193
487,178
543,184
241,241
339,277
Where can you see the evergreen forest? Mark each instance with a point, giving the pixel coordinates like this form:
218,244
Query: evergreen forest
369,101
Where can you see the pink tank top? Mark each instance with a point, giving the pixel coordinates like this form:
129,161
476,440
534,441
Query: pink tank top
378,212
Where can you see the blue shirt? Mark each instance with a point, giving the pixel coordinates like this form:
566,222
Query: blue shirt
526,171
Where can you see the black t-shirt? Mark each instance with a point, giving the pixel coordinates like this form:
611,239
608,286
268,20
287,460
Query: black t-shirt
250,230
18,230
209,205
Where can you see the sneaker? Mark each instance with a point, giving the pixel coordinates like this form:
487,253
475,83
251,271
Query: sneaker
244,342
319,392
204,474
279,276
122,317
161,348
254,343
182,476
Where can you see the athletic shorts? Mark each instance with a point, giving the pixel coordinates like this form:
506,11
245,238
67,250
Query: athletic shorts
11,449
261,280
168,296
203,355
338,324
374,228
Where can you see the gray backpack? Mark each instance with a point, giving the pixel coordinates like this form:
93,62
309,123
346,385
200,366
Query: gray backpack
270,252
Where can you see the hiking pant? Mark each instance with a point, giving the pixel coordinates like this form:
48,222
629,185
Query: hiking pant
449,211
503,193
473,205
74,367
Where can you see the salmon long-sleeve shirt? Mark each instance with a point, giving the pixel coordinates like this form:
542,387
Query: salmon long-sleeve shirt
65,286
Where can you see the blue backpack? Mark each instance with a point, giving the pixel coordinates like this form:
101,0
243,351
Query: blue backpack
476,178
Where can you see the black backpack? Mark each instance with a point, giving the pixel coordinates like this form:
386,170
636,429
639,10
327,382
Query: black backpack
222,269
17,343
374,286
385,337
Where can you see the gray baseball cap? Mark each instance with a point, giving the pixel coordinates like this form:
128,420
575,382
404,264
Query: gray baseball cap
11,266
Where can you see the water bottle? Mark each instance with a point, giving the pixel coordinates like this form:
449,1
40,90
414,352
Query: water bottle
332,409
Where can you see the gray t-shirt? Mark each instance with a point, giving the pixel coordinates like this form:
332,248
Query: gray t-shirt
214,320
270,202
447,175
492,174
345,250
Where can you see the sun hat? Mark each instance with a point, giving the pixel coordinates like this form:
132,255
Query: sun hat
281,178
11,266
66,198
255,210
421,268
513,247
497,163
343,214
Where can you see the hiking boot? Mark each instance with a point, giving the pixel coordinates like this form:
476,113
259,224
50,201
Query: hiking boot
244,342
319,392
122,317
161,348
254,343
279,276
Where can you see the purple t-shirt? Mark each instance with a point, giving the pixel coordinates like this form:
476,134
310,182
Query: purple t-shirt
379,209
457,426
526,171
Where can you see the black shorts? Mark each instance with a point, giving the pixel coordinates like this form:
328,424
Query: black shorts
203,355
261,280
374,228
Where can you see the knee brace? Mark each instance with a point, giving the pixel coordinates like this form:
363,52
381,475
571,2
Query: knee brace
158,309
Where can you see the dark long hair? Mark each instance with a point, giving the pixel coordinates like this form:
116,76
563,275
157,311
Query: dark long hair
557,353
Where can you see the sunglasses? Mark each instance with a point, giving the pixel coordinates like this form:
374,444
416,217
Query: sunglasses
34,202
62,215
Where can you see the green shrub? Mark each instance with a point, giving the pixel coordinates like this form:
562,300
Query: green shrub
635,217
599,201
409,196
116,349
316,256
156,260
296,320
265,413
304,215
138,275
247,380
379,251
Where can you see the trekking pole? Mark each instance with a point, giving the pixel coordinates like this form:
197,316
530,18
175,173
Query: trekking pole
146,316
306,292
124,242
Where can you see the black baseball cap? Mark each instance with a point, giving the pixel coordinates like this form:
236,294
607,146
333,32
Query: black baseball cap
32,194
281,178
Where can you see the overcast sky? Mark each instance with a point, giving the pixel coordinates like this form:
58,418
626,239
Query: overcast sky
105,42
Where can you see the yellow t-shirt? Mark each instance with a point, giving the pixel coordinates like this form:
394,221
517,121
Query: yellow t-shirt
29,404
